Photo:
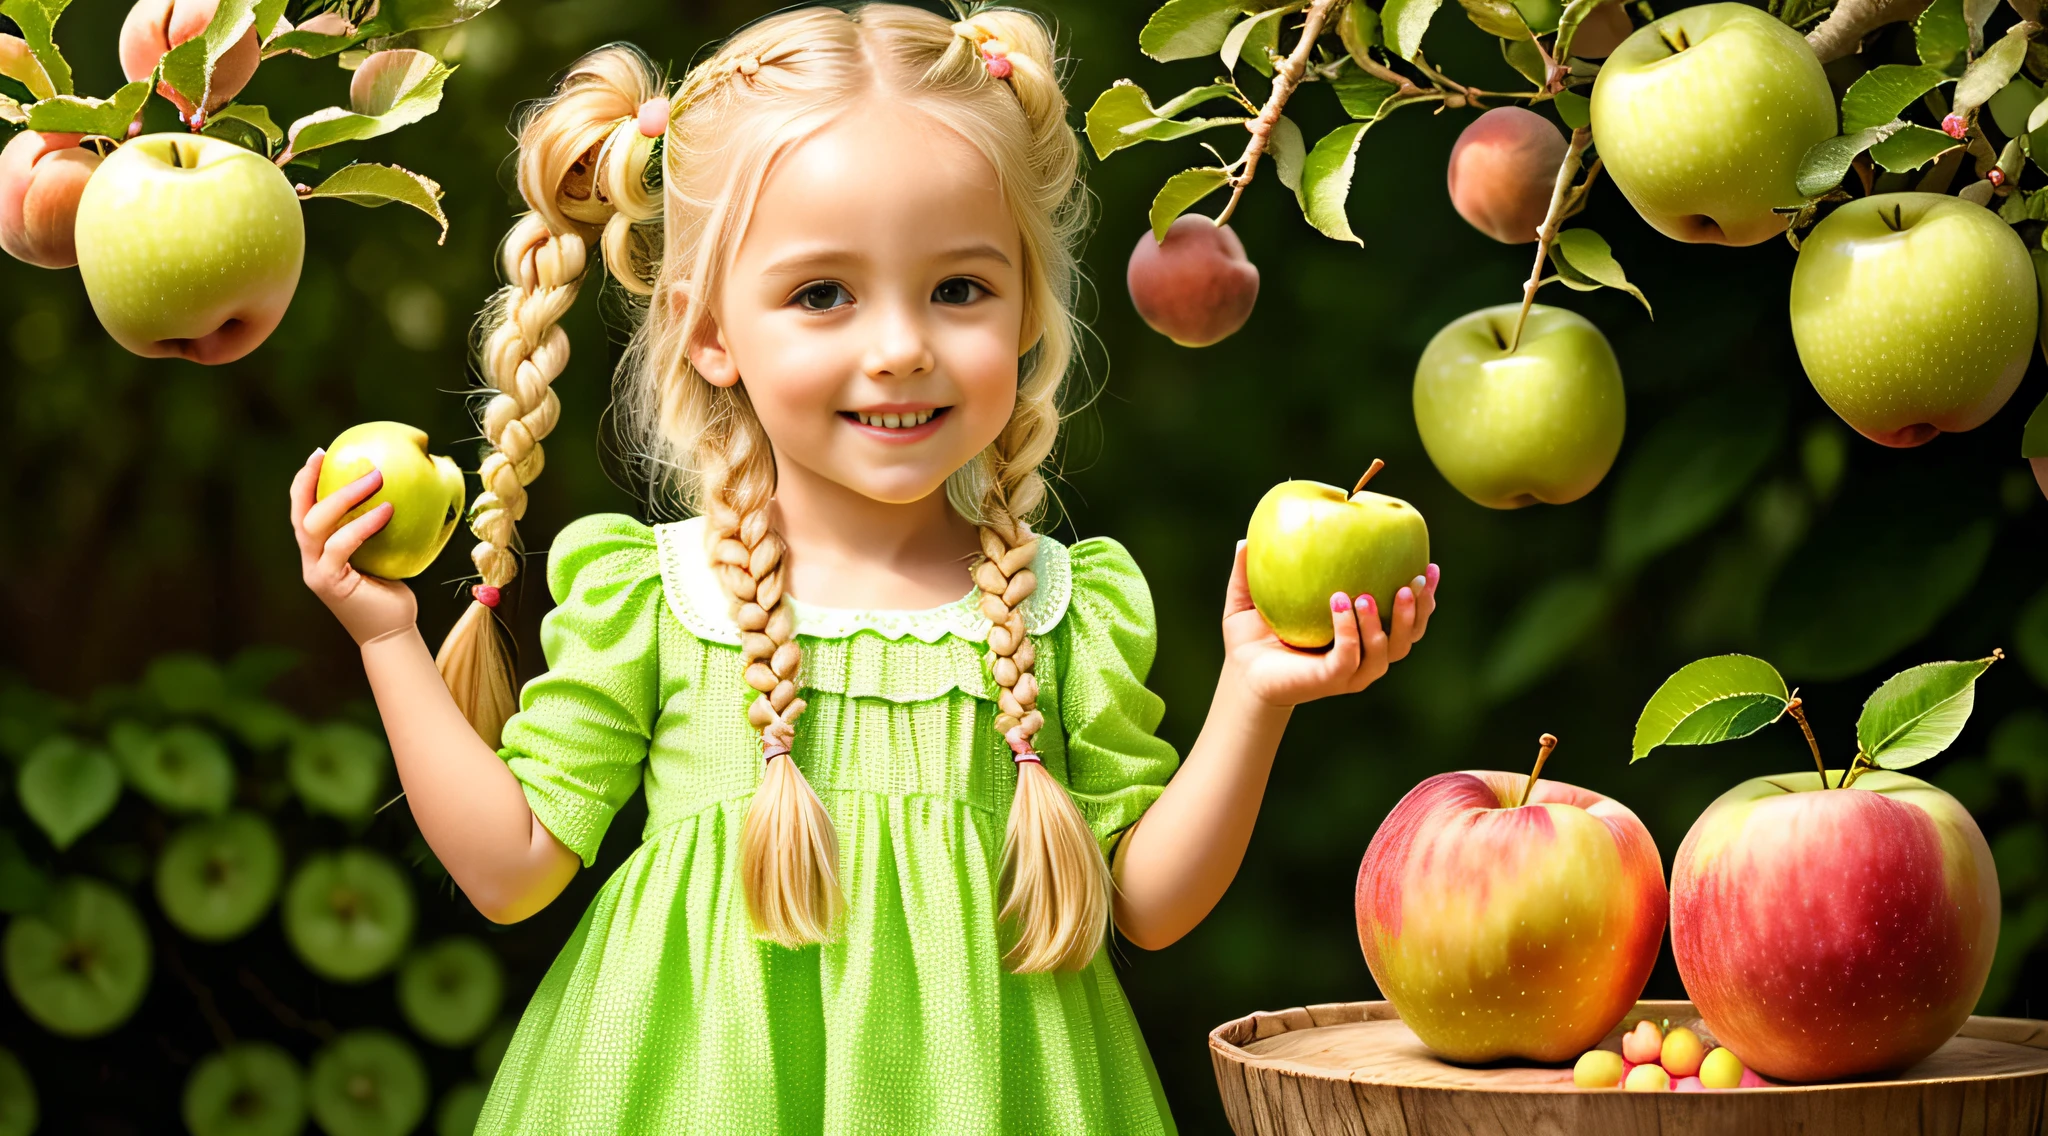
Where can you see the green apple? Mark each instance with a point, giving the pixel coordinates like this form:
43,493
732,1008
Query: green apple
425,492
1308,541
79,966
189,246
349,914
449,992
1914,314
339,769
216,878
1508,429
368,1081
252,1088
459,1108
19,1109
1703,116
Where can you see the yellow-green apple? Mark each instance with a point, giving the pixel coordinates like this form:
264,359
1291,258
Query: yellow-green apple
1502,171
1196,287
189,246
1703,116
1826,933
1308,541
41,179
1500,929
153,27
1508,429
425,491
1914,314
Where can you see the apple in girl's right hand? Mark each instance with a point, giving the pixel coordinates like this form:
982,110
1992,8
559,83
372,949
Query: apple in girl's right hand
1308,540
425,491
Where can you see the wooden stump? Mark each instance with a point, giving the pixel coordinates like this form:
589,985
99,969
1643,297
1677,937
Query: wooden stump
1355,1069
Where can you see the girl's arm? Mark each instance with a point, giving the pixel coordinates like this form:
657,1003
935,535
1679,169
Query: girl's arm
1175,863
466,801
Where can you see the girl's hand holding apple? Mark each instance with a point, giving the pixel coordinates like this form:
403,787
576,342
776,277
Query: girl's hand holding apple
1364,646
369,607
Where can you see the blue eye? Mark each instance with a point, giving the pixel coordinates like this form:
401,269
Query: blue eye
958,290
820,297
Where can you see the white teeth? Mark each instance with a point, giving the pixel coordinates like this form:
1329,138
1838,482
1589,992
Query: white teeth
894,421
891,421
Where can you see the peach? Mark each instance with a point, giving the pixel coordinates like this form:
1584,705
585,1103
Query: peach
1502,171
153,27
1682,1052
1196,288
41,179
1643,1044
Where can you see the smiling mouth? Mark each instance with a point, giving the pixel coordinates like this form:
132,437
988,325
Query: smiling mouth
901,421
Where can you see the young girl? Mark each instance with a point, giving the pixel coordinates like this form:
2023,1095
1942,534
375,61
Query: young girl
888,823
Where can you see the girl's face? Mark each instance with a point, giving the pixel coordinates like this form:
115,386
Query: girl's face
875,307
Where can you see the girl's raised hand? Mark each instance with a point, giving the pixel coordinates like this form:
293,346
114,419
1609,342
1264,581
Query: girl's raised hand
367,606
1286,676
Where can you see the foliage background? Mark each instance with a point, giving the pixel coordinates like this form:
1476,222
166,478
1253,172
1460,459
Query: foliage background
142,511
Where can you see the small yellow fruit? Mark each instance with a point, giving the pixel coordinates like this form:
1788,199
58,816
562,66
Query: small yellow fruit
1598,1069
1721,1069
1682,1052
1648,1079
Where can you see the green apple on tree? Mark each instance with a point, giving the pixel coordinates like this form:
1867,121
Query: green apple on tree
450,990
189,246
339,769
348,914
252,1088
80,965
1308,541
368,1080
1510,428
425,491
1702,118
215,878
1914,314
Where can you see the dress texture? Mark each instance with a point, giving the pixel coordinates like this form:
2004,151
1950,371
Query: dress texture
664,1014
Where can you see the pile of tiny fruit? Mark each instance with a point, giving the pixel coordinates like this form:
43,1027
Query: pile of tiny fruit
1654,1061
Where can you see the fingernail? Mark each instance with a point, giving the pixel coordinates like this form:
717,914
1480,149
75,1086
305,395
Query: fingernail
1371,605
1432,574
1340,602
317,451
1404,596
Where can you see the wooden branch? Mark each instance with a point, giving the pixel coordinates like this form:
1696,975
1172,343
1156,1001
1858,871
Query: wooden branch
1843,31
1561,200
1286,76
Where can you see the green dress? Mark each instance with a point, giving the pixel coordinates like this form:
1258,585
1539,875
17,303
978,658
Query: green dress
664,1014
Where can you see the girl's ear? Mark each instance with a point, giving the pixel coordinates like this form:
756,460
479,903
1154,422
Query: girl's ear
712,358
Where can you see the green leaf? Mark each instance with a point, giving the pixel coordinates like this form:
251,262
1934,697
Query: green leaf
391,89
365,184
1404,22
108,117
312,45
1919,712
1568,22
1253,34
2012,105
1686,473
1990,72
1883,92
1826,163
185,682
1574,108
1289,152
1362,94
1527,61
1546,628
67,788
1941,37
1711,700
2034,439
397,16
1185,29
1585,262
1180,193
1124,116
1326,181
1496,17
188,67
260,723
1911,148
38,20
255,116
184,769
12,111
266,14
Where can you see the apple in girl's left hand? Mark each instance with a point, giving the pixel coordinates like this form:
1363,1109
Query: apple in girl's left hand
1506,929
1308,541
425,491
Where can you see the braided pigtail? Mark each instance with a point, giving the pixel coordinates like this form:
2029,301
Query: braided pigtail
575,171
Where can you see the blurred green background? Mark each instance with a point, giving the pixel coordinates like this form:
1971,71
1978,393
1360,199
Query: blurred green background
143,518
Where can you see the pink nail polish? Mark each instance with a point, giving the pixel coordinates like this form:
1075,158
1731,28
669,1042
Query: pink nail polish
1432,574
1340,602
1371,605
1405,595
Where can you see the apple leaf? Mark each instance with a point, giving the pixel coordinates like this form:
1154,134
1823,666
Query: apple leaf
1185,29
1404,22
37,20
1525,58
1584,262
1574,108
1326,181
395,93
1826,163
67,787
108,117
1124,116
1568,22
311,44
245,125
1289,153
1975,13
184,769
185,682
1911,148
2034,438
1990,72
265,16
1362,94
1497,18
1881,93
18,63
188,67
1547,626
1711,700
1687,471
1254,33
1919,712
1940,37
2013,105
12,111
1180,193
373,185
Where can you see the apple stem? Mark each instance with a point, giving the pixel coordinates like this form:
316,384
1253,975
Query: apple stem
1562,198
1548,742
1855,770
1375,467
1797,708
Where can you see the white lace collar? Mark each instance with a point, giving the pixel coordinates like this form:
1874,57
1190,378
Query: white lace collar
700,602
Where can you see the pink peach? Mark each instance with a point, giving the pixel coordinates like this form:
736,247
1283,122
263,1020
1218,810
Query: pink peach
153,27
41,179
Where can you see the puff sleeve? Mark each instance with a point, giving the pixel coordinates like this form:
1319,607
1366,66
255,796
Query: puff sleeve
1116,765
582,728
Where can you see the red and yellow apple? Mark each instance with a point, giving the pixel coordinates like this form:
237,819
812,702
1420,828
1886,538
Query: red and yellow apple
42,176
1826,933
1196,287
1502,172
1510,931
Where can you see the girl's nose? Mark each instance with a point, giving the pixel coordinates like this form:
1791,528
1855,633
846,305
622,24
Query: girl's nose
901,346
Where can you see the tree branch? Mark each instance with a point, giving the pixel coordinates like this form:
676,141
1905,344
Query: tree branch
1286,77
1843,31
1562,199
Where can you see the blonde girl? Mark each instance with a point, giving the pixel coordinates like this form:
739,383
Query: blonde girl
889,824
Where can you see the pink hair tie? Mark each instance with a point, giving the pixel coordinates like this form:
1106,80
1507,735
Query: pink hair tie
998,65
1020,746
654,117
485,594
772,750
